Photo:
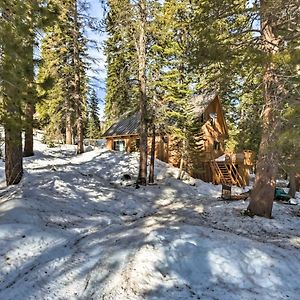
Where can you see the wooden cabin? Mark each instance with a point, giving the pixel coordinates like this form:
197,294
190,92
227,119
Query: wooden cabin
124,136
204,152
207,159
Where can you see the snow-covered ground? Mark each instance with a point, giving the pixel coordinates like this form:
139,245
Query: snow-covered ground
77,228
2,171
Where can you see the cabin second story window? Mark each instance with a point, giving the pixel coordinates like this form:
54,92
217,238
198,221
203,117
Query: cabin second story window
119,145
213,118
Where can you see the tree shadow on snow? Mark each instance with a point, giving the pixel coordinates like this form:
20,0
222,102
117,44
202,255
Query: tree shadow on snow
101,240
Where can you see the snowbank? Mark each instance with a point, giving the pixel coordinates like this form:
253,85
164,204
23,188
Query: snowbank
77,228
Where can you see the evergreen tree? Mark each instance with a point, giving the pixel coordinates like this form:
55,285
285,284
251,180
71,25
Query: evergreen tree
19,21
224,33
12,86
166,53
171,80
278,32
35,15
62,75
130,18
93,126
122,70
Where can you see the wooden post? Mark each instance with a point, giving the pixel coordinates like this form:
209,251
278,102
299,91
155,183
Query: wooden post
226,192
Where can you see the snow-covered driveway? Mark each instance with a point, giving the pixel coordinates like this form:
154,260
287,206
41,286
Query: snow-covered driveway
75,229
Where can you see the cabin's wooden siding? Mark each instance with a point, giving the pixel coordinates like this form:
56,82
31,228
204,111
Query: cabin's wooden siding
130,142
214,131
131,145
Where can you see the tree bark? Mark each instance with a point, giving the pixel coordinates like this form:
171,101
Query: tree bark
180,171
13,154
77,83
297,180
292,190
28,143
31,91
183,156
152,158
30,109
141,49
69,130
12,74
262,195
294,183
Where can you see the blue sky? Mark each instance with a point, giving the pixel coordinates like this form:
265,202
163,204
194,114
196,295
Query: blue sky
97,70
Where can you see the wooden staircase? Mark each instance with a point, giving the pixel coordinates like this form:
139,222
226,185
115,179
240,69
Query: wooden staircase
226,173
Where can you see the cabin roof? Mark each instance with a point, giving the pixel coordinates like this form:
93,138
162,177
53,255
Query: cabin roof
199,103
128,126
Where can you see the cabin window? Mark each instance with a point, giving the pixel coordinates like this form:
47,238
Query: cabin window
119,145
217,145
213,118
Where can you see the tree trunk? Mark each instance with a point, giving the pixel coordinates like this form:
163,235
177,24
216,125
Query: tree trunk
69,130
183,156
13,154
141,49
28,143
262,195
77,83
80,148
152,158
297,179
12,75
292,190
31,91
179,176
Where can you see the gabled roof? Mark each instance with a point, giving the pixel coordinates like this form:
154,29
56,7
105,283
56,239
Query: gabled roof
199,103
128,126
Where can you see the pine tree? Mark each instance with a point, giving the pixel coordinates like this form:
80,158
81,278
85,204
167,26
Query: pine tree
224,42
62,75
93,127
131,20
19,21
78,98
122,70
12,74
170,80
165,64
34,16
278,31
224,52
56,111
